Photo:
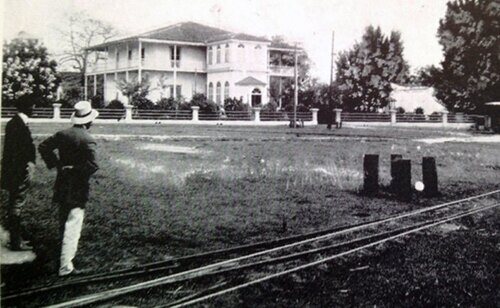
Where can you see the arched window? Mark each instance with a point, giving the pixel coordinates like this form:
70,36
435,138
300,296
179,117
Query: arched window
226,90
218,53
241,52
218,93
226,58
256,97
210,54
211,92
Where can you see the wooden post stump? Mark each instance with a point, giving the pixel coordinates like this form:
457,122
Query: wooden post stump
403,187
370,168
394,171
430,178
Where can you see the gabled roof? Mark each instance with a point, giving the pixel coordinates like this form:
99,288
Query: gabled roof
189,32
250,81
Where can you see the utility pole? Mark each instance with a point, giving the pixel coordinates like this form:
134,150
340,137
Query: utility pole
333,54
296,90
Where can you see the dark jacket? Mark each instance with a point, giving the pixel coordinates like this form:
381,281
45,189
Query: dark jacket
76,148
18,151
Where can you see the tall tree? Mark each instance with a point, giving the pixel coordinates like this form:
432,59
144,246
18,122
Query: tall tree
27,69
470,72
80,32
365,73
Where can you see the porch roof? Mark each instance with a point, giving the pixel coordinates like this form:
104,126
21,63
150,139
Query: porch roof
250,81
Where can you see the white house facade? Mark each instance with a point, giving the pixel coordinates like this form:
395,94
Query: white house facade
188,58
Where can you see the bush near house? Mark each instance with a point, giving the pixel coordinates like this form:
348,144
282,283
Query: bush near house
97,101
400,110
200,100
168,104
115,104
234,104
419,110
270,107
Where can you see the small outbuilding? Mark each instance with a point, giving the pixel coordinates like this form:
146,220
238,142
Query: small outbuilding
412,97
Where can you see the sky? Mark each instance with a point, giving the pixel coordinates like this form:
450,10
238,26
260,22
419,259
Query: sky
310,22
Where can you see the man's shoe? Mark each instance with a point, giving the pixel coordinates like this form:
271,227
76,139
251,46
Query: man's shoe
74,272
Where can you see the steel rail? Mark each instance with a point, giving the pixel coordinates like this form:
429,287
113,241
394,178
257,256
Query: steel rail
172,264
105,295
318,262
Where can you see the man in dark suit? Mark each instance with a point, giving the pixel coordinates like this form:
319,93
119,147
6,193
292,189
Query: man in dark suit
75,164
18,165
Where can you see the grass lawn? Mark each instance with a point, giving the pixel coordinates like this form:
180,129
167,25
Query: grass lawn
205,188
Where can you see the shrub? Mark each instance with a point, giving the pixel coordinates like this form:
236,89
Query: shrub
234,104
205,105
300,108
97,102
270,107
143,103
167,104
115,104
419,110
400,110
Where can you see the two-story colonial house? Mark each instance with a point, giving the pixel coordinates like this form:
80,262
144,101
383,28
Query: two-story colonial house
189,58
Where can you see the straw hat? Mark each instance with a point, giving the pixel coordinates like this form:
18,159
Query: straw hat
83,113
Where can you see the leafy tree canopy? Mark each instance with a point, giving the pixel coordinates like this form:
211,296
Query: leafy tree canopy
365,73
27,70
470,72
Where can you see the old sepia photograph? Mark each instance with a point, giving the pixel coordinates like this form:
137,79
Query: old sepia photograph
250,153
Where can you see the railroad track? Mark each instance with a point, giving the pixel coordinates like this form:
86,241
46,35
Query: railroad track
296,252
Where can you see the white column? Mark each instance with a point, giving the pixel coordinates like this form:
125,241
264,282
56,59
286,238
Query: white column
195,113
444,117
175,72
116,85
393,116
57,111
128,112
105,86
85,94
314,116
139,73
256,111
338,113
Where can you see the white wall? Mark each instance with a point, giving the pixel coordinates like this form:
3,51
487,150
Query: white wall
411,98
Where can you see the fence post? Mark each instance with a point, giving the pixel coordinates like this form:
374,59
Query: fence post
256,111
393,116
195,117
57,111
314,116
128,112
487,122
394,170
402,182
429,176
338,113
370,170
444,117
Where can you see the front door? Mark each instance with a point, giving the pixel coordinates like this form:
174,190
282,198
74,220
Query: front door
256,97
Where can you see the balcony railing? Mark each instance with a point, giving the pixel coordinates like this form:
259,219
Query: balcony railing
151,64
281,70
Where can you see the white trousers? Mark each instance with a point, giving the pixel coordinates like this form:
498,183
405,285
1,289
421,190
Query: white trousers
72,230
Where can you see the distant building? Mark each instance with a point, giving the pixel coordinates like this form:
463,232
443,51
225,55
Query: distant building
189,58
412,97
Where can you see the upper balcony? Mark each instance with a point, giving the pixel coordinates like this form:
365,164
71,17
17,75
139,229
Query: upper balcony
108,66
281,70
